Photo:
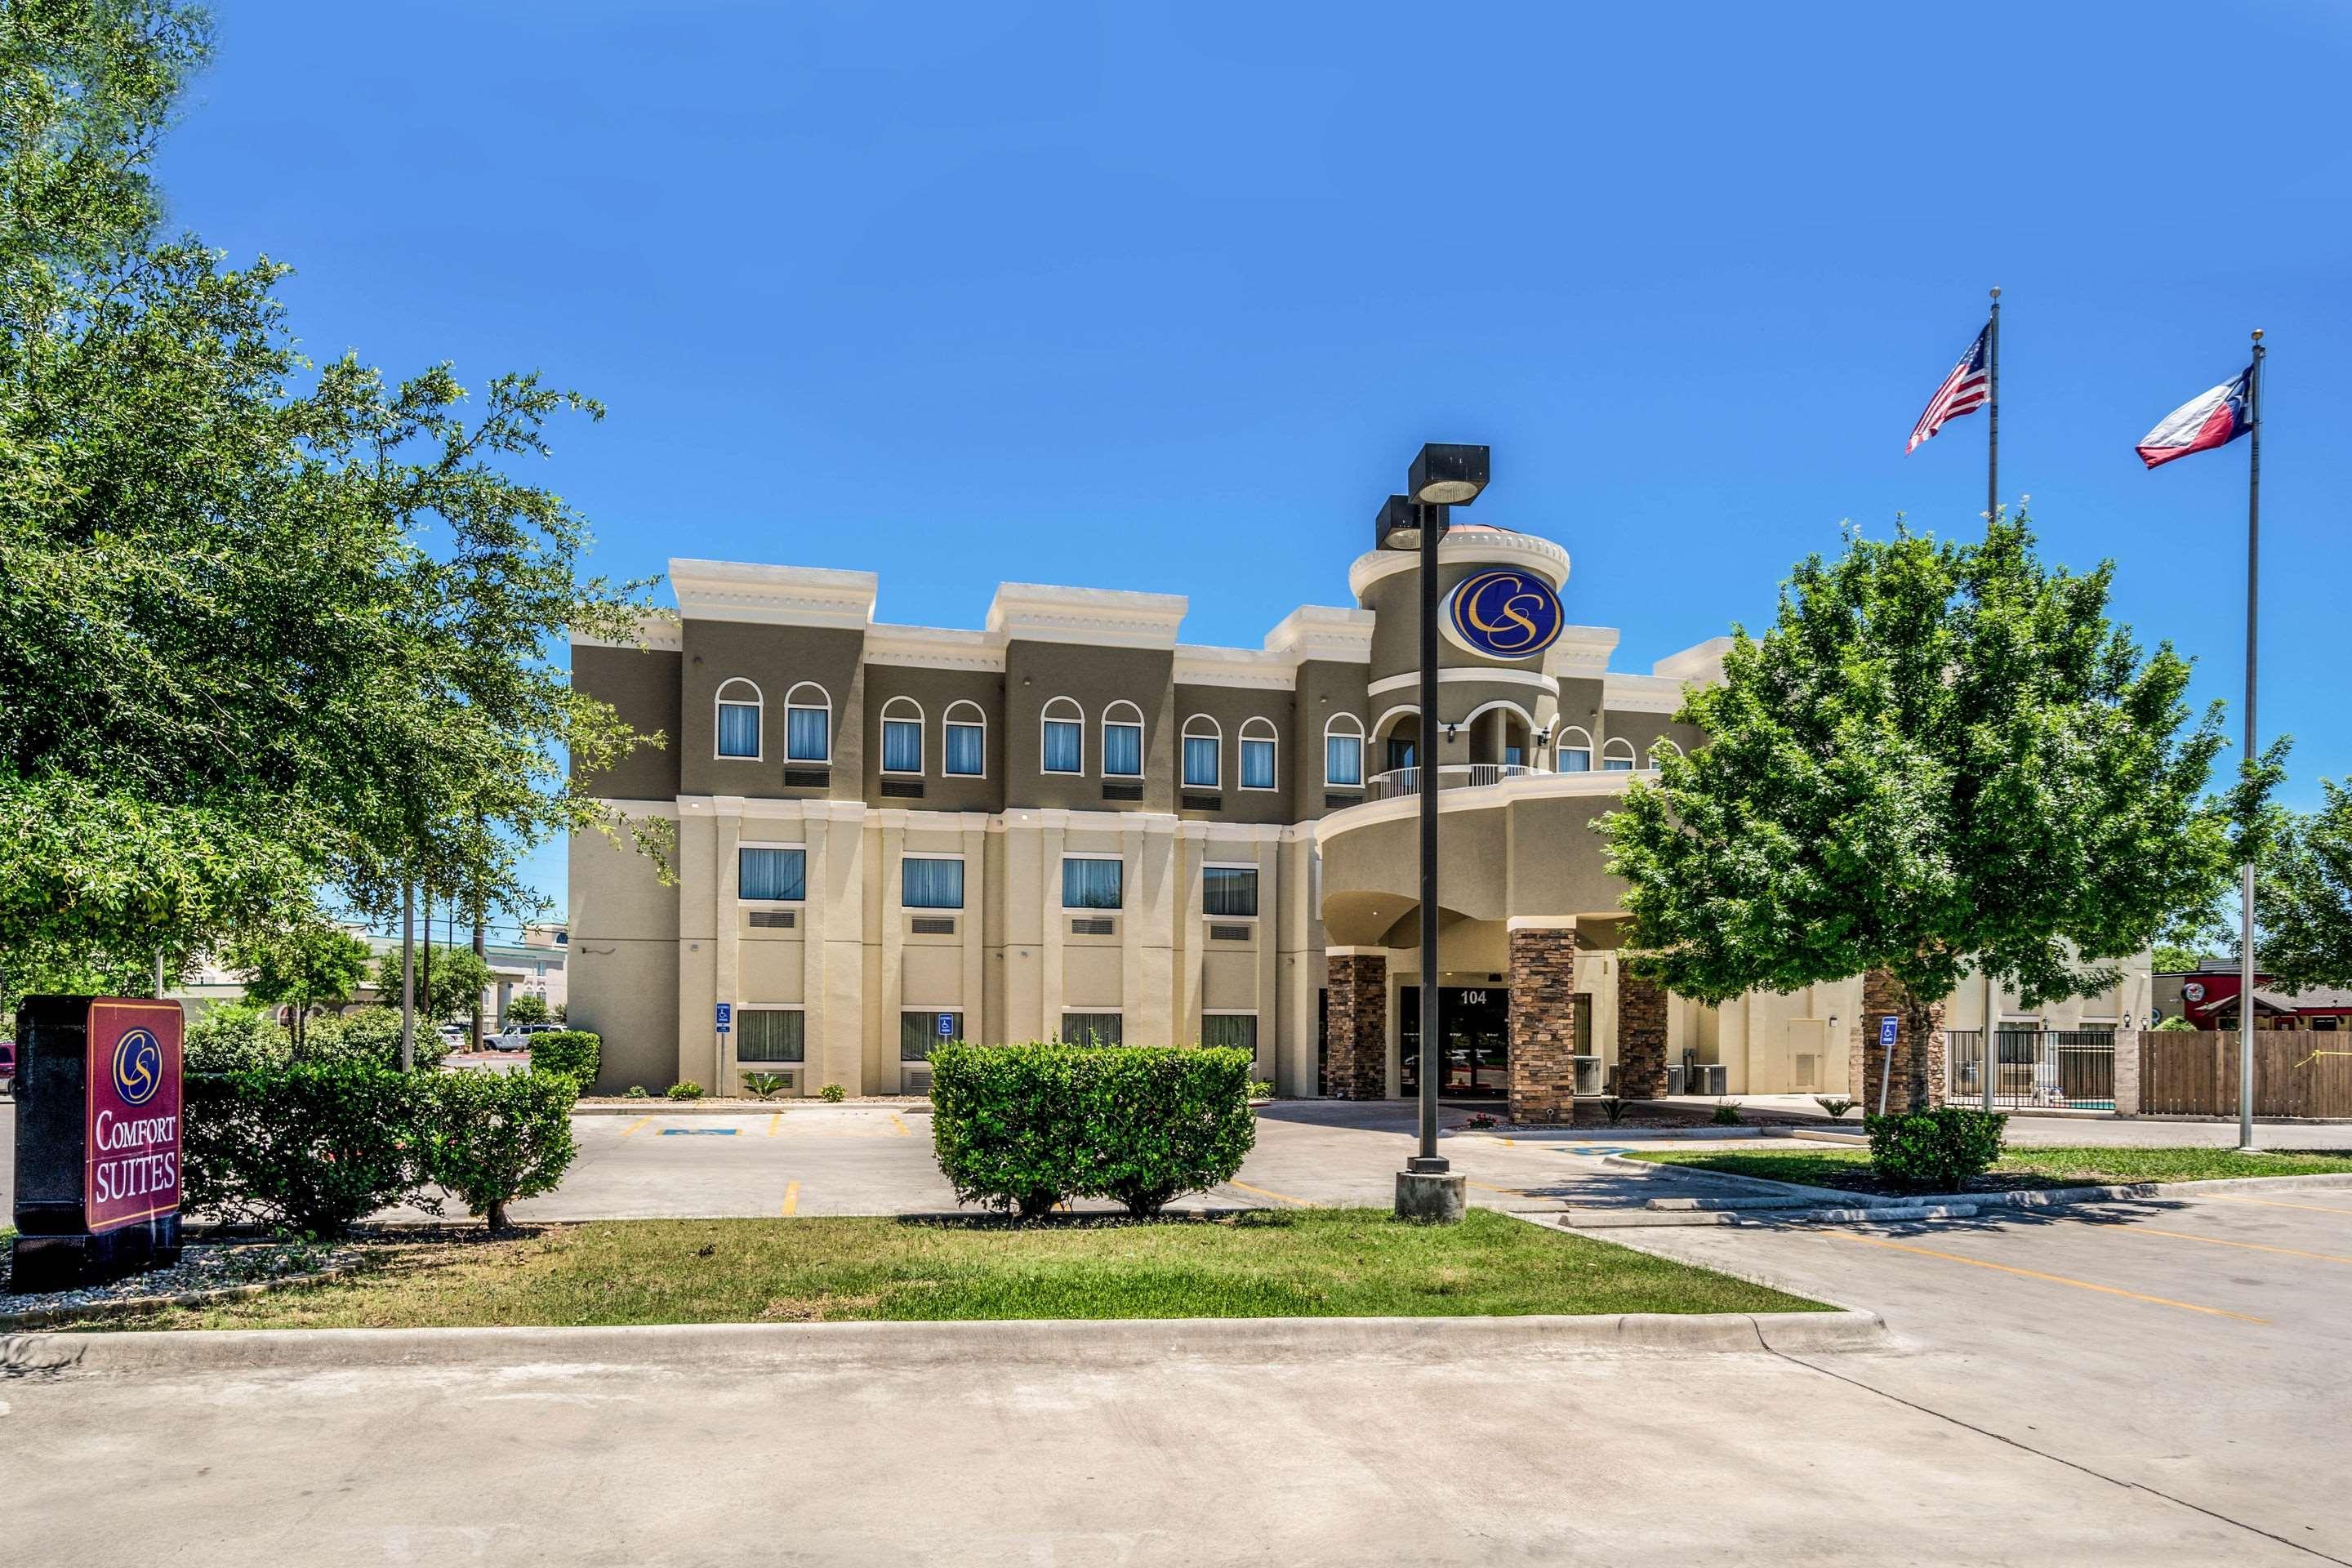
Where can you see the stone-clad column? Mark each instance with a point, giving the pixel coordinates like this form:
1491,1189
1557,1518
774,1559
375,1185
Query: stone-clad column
1542,1079
1359,983
1881,996
1641,1035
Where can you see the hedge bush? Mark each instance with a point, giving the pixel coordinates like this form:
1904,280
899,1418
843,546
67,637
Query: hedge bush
575,1053
235,1038
1938,1151
1026,1127
491,1138
315,1146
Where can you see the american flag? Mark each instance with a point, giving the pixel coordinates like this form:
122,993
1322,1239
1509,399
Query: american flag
1963,392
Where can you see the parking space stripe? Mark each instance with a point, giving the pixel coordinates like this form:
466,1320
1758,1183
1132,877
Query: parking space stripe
633,1126
2052,1278
2268,1204
792,1199
902,1126
773,1118
2249,1246
1506,1192
1267,1193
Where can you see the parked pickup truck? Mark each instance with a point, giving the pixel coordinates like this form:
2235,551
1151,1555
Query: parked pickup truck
517,1037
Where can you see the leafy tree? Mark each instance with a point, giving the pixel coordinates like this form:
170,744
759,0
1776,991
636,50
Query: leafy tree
307,964
1940,752
525,1008
266,632
2304,902
457,978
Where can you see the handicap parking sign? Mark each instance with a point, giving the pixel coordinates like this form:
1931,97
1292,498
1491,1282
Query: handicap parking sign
1887,1029
947,1025
726,1017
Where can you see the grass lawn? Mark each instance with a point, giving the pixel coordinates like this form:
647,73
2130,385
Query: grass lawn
1323,1263
1849,1169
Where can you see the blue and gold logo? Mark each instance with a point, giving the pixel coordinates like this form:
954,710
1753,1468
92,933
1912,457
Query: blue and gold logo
1503,614
137,1067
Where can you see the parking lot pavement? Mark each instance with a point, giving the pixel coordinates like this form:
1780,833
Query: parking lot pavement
2196,1349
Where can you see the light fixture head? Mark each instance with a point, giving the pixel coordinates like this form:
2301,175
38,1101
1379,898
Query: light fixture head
1447,474
1397,525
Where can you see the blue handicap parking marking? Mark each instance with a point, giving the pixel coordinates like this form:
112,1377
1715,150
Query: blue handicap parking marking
699,1131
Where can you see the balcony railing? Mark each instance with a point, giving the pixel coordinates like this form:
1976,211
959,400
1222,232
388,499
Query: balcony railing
1398,782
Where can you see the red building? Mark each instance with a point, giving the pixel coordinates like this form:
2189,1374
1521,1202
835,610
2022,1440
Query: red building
2208,997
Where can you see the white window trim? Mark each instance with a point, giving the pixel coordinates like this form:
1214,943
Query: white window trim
789,704
1217,733
1137,726
923,737
1609,753
1272,737
743,844
1357,735
1046,716
1089,909
978,721
1560,742
906,854
719,700
1249,866
1662,741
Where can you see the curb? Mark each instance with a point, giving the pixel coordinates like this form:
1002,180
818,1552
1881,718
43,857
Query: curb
131,1306
1060,1343
658,1107
1663,1219
1881,1206
1835,1196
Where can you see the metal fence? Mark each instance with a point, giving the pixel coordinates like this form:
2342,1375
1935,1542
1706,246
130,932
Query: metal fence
2064,1069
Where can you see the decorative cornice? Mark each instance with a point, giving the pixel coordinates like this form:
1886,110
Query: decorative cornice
934,648
1465,541
656,633
1701,664
773,596
1255,669
1460,674
1324,632
1093,617
1581,653
1621,694
1480,797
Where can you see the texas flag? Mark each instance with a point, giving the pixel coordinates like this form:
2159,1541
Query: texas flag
2212,418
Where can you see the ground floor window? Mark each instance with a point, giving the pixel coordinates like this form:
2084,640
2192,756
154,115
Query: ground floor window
768,1035
921,1032
1091,1029
1235,1031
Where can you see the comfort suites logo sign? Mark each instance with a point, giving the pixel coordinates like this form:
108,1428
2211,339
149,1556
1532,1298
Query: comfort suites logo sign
1503,614
131,1168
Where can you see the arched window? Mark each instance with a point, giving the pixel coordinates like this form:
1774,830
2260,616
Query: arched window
1203,752
740,705
1571,750
1343,751
902,736
808,724
1258,745
1617,756
1399,733
1661,747
967,741
1061,738
1122,742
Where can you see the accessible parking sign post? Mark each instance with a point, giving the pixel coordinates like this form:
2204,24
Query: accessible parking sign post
97,1139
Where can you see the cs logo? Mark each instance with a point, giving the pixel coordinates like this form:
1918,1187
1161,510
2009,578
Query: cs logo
137,1067
1503,614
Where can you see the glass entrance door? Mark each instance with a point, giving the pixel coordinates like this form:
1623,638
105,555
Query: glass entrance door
1473,1024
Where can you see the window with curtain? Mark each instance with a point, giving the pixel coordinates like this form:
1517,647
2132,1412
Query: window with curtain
738,722
902,745
772,874
1199,762
967,748
930,884
1090,884
1257,764
768,1035
1123,745
1091,1029
1064,739
808,734
918,1033
1229,890
1575,753
1617,757
1230,1031
1343,759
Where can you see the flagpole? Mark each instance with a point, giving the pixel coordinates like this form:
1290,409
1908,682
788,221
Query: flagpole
1993,422
2246,872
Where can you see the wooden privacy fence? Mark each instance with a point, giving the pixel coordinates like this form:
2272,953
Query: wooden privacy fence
2297,1072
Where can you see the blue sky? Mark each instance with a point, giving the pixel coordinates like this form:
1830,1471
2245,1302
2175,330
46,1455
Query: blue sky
1164,297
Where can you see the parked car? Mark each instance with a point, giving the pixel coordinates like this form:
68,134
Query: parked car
457,1036
8,1066
517,1037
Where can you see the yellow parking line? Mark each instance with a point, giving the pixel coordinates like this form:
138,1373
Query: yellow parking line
2249,1246
772,1119
633,1126
1506,1192
1268,1192
2052,1278
2268,1204
899,1125
792,1199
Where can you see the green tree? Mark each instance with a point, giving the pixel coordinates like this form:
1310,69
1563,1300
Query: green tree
457,978
1941,752
526,1008
266,634
309,963
2305,901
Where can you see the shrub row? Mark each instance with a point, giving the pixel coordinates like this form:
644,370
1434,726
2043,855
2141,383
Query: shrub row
1027,1127
1938,1151
240,1038
575,1053
318,1146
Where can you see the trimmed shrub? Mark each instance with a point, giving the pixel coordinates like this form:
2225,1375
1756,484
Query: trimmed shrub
370,1037
492,1137
1938,1151
1026,1127
235,1038
575,1053
689,1089
314,1147
833,1094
